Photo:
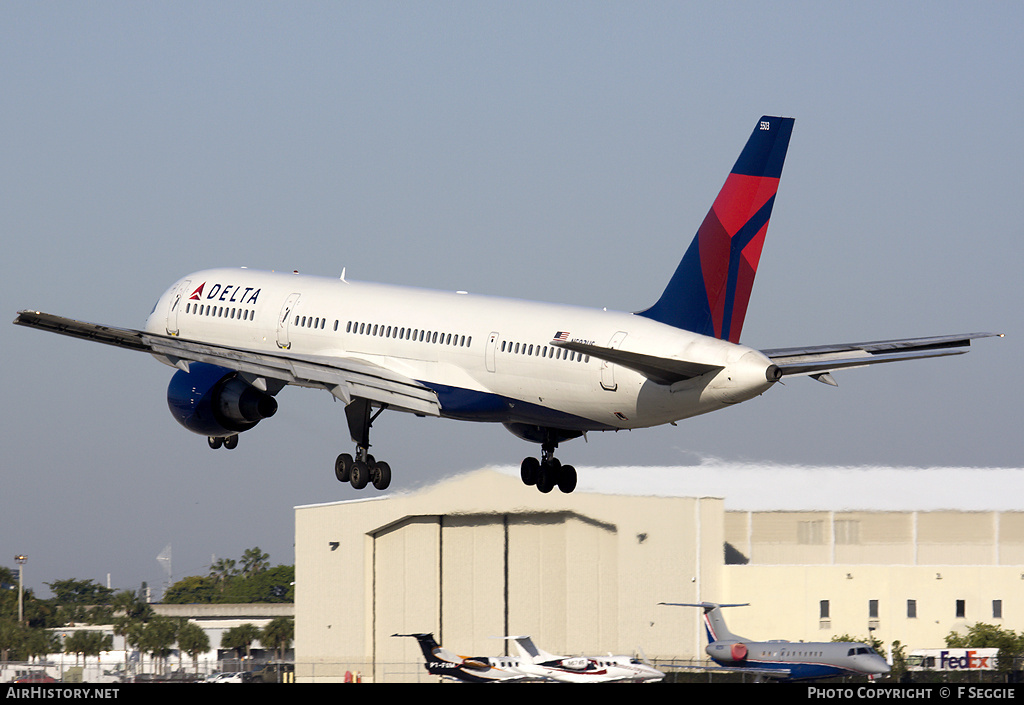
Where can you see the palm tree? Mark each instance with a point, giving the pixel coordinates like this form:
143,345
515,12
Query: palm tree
193,641
254,561
240,637
278,635
223,570
158,636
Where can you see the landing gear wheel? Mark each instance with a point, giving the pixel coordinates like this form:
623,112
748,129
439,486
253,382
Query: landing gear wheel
231,442
342,467
546,478
380,475
359,474
567,479
529,471
215,442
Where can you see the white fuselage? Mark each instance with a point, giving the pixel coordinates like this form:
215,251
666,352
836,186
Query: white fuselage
593,669
487,358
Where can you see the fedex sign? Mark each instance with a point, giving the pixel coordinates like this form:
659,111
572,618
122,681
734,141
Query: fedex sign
962,659
953,659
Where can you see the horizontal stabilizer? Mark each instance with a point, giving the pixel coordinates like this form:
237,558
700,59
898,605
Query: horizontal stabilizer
662,370
818,360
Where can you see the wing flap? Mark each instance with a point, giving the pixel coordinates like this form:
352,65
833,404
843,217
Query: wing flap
344,377
821,359
662,370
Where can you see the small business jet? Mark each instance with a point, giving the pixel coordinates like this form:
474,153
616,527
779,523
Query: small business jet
784,660
471,669
582,669
548,372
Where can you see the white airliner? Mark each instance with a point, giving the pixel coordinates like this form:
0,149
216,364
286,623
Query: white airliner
784,660
548,372
582,669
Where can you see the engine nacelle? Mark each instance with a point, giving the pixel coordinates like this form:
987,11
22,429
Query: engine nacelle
577,663
215,401
724,653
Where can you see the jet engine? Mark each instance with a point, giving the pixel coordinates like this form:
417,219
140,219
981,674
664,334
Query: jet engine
734,653
215,401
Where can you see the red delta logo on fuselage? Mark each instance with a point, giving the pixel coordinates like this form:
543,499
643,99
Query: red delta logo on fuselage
230,293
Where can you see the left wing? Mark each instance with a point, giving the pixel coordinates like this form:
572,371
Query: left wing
344,377
818,361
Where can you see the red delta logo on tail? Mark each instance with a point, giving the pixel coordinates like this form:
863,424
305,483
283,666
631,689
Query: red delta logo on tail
710,290
730,241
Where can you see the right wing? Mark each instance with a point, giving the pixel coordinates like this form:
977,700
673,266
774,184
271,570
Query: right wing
343,377
819,360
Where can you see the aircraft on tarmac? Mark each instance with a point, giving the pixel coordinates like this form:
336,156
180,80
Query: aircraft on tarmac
582,669
783,660
548,372
472,669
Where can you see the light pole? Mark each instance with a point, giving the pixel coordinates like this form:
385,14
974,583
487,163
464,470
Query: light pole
21,559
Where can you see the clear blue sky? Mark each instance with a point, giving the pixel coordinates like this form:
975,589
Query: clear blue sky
560,151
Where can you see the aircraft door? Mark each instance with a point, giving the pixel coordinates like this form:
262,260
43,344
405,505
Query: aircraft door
284,321
492,346
177,301
607,368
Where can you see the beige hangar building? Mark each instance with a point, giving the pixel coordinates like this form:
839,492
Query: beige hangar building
815,552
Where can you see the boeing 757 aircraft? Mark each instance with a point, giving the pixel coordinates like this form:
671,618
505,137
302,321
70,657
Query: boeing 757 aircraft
784,660
548,372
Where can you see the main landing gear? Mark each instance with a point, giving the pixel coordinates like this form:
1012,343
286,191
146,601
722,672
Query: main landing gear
362,469
548,473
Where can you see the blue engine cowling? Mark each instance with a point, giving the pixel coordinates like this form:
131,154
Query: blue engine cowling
215,401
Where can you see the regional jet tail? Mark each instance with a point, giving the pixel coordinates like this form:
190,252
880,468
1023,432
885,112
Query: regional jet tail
548,372
582,669
783,660
471,669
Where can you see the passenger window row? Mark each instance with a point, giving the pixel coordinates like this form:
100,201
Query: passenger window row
549,351
411,334
241,314
311,322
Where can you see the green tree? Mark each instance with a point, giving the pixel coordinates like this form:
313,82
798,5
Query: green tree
899,659
989,636
273,585
254,561
193,641
87,643
157,638
12,638
39,643
225,582
222,571
240,638
191,590
278,635
80,592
